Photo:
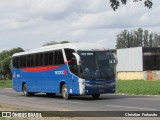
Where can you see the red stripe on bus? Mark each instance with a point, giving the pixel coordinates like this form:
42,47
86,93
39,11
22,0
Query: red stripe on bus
39,69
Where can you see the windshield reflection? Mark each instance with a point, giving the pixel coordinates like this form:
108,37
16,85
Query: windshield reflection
97,65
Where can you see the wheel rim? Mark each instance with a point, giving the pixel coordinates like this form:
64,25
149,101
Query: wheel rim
24,90
65,93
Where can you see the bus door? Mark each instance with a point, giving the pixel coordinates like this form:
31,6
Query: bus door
74,68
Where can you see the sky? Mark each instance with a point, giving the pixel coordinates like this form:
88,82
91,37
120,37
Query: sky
31,23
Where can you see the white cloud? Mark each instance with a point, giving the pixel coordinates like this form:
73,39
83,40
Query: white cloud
144,17
78,32
133,14
23,22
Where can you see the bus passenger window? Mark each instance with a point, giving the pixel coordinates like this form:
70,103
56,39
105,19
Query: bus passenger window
50,58
21,62
28,61
24,61
46,59
32,62
16,62
41,60
58,57
36,59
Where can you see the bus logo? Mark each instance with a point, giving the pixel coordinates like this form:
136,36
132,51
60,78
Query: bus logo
61,72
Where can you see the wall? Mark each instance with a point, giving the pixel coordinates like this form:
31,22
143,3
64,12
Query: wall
152,75
144,75
130,59
130,76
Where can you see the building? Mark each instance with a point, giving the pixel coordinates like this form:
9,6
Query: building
138,63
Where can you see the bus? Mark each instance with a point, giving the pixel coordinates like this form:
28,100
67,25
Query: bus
65,69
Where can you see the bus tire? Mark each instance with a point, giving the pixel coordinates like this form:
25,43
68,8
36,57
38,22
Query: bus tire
95,96
65,93
25,91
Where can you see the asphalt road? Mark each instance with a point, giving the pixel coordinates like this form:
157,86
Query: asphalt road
106,102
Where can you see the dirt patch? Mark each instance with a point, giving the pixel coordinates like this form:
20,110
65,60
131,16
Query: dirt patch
7,107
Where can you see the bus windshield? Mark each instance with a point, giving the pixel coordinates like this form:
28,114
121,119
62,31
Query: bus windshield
97,65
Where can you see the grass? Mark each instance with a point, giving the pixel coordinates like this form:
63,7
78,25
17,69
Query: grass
5,83
138,87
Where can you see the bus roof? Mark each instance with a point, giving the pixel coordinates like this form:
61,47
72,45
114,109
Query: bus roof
74,46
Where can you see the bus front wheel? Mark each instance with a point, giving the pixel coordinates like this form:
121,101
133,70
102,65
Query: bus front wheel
65,93
25,91
95,96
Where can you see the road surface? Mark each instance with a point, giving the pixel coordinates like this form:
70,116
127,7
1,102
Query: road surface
106,102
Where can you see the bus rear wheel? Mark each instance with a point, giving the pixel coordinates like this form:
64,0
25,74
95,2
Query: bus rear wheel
25,91
95,96
65,94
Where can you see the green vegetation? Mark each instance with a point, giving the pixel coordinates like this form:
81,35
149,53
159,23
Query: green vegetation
54,42
5,58
116,3
5,83
137,38
138,87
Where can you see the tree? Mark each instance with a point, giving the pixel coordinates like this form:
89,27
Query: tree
4,54
151,40
5,58
116,3
63,42
15,50
54,42
140,36
122,41
156,40
5,70
145,39
137,38
50,43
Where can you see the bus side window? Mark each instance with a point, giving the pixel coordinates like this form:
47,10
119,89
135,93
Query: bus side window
21,61
58,57
24,61
55,57
50,58
46,60
37,60
41,59
28,61
32,62
16,62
